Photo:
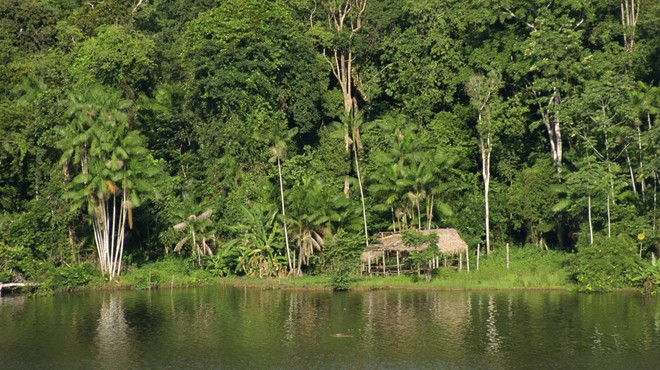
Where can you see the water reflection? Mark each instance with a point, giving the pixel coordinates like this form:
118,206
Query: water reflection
112,339
491,328
252,328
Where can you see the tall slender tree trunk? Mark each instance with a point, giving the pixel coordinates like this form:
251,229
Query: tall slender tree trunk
655,199
633,183
286,232
550,115
609,217
485,146
364,210
430,212
345,17
629,14
591,226
642,181
419,215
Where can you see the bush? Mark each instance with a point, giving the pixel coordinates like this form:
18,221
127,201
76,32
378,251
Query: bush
16,261
71,276
647,278
342,258
606,264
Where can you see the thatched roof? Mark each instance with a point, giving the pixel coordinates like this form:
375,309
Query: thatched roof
449,242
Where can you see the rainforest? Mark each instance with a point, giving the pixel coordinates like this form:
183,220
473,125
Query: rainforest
161,142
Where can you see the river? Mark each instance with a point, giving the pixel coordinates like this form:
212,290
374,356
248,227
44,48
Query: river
248,328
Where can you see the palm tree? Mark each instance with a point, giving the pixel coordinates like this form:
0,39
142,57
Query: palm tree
198,227
349,130
113,168
259,237
278,138
311,217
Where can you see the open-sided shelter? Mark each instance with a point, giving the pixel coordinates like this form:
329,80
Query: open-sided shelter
449,243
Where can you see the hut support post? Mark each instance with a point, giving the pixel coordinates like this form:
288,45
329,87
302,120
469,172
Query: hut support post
384,253
460,262
369,264
398,264
507,256
467,258
478,248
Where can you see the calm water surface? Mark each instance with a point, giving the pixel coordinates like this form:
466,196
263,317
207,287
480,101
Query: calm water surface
239,328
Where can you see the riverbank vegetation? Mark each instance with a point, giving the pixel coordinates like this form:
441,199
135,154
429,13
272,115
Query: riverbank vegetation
154,143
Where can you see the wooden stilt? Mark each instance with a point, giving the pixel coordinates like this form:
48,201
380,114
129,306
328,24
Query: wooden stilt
460,262
467,259
384,262
398,264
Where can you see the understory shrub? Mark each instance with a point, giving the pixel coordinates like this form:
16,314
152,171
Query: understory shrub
16,263
606,264
71,276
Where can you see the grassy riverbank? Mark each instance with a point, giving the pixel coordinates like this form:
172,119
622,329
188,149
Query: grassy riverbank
529,269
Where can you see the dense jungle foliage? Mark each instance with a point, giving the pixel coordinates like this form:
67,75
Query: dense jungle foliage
277,137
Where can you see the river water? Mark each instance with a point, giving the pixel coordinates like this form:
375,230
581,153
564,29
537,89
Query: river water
248,328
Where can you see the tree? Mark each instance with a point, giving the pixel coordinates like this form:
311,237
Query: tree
310,217
344,21
198,227
278,139
113,168
629,15
116,57
483,92
336,32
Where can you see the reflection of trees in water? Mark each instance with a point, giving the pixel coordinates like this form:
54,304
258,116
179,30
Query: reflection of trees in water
306,316
387,315
491,328
112,337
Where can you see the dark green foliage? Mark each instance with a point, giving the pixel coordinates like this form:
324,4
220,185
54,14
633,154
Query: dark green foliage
421,258
647,278
607,264
342,258
209,92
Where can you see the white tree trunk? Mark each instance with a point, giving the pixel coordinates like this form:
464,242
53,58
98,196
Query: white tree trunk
364,210
486,147
286,232
629,14
109,231
550,114
591,226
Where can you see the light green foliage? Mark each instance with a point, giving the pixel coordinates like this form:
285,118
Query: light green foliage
112,169
16,263
258,247
115,57
70,276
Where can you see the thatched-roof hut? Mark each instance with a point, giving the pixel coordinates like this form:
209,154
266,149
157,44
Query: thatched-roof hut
449,243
